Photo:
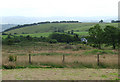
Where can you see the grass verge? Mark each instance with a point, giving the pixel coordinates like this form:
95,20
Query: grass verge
59,65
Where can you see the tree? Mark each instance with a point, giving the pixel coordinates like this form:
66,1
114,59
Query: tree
119,39
101,21
62,37
112,35
76,37
68,32
72,31
28,37
112,21
96,35
8,40
9,36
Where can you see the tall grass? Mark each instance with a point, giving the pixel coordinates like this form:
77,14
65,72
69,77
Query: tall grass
71,61
101,52
51,55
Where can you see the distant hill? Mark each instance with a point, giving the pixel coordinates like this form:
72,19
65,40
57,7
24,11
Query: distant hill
7,26
29,20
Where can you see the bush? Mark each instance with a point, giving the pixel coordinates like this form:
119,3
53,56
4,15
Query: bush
9,41
52,41
68,47
101,52
12,58
62,37
9,65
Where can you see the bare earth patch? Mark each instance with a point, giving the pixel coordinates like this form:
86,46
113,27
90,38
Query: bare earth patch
59,74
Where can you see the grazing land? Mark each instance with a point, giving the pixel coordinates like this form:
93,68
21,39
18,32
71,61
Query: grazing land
60,74
46,29
33,53
52,54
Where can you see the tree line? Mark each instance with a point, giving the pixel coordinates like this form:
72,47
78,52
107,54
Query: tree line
52,38
110,35
115,21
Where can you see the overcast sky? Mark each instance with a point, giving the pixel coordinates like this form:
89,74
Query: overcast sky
48,8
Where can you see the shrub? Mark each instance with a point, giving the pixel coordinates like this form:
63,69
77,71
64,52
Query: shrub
9,65
52,41
12,58
101,52
62,37
68,47
76,62
9,41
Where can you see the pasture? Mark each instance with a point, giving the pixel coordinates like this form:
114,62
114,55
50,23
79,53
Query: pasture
60,74
51,55
45,29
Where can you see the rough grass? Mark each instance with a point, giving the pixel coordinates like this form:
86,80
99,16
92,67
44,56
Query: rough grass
101,52
60,74
72,61
51,54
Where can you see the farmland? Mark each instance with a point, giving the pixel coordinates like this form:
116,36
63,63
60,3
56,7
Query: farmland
59,60
51,55
46,29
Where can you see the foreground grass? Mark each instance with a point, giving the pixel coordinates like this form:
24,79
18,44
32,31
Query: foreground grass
60,74
75,64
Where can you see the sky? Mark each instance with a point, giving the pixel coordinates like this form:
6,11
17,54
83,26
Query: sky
68,8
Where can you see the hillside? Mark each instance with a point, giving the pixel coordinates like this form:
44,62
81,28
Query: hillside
46,29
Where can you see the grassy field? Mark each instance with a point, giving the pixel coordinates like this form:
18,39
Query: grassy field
60,74
37,34
46,29
106,61
76,56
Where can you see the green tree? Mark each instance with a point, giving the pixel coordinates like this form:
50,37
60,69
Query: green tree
96,35
8,40
62,37
112,35
28,37
72,31
76,37
101,21
68,32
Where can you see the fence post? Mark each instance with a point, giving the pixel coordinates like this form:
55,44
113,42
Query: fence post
30,59
98,62
63,59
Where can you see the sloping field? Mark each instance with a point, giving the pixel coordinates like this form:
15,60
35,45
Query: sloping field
43,28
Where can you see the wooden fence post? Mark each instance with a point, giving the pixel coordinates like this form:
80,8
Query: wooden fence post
30,59
98,62
63,59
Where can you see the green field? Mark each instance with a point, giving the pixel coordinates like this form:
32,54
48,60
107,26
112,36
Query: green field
37,34
46,29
